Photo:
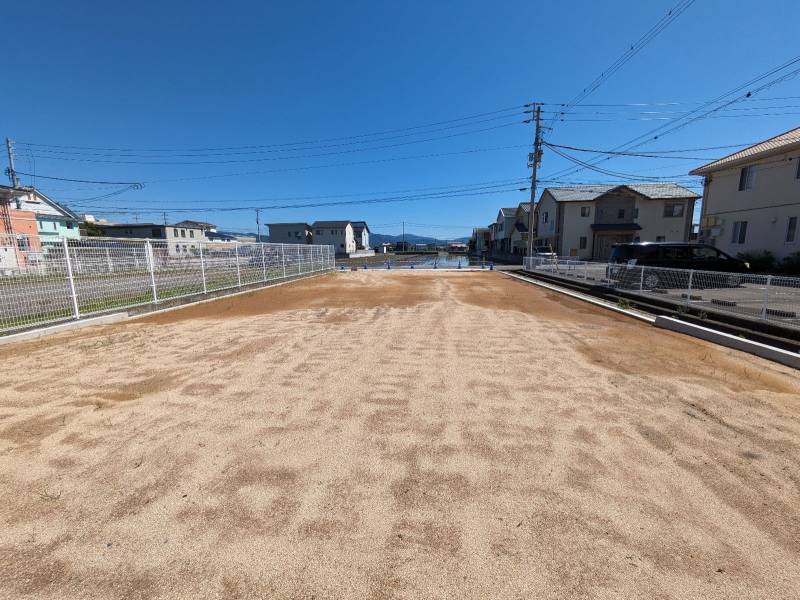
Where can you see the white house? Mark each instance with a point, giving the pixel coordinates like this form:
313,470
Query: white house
180,240
361,234
338,234
586,221
751,198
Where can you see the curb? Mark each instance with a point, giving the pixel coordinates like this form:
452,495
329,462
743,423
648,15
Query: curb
601,303
69,325
790,359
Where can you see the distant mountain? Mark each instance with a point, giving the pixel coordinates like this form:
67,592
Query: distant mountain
376,239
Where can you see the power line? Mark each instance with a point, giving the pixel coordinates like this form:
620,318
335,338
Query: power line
738,94
261,146
634,49
440,196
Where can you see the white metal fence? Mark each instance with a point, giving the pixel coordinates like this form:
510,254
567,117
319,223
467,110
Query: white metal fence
767,297
43,280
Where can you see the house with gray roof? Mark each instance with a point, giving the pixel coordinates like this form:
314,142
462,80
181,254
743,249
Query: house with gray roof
586,221
503,230
751,198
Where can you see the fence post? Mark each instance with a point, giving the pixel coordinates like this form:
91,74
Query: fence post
766,297
75,310
203,268
299,259
263,261
641,279
586,271
283,258
238,269
151,267
689,287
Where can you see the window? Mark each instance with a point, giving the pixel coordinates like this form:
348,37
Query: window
636,212
585,211
704,253
676,252
747,176
175,233
791,230
288,234
341,245
582,243
191,233
673,209
797,175
22,243
177,247
70,225
545,217
183,233
155,232
739,234
660,238
621,213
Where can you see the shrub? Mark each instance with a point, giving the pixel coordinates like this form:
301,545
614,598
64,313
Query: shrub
760,262
791,264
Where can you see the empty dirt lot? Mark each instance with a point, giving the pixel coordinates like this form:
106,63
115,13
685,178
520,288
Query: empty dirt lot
395,434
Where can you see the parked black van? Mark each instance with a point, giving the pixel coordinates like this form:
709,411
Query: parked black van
626,258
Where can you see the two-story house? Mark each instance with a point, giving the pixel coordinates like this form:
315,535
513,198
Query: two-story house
519,232
179,240
751,198
290,233
504,227
586,221
338,234
361,234
27,219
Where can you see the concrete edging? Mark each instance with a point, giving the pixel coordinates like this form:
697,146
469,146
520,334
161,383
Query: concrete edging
790,359
601,303
784,357
32,334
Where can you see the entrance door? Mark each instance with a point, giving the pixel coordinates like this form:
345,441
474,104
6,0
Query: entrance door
603,243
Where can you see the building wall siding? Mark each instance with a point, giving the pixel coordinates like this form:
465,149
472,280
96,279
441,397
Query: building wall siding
766,207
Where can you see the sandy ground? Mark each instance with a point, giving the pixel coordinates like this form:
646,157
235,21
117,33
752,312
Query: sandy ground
388,434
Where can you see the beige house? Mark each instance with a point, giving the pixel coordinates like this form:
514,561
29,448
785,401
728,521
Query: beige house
289,233
504,227
519,232
751,198
586,221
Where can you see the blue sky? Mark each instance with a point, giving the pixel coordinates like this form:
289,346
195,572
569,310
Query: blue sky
255,78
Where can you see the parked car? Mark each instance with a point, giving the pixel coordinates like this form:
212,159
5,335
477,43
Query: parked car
625,260
544,252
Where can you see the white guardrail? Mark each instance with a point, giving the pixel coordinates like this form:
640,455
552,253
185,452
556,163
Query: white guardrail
766,297
45,280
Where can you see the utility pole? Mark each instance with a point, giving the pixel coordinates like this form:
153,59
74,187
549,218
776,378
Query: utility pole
165,218
533,162
12,174
404,237
258,225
